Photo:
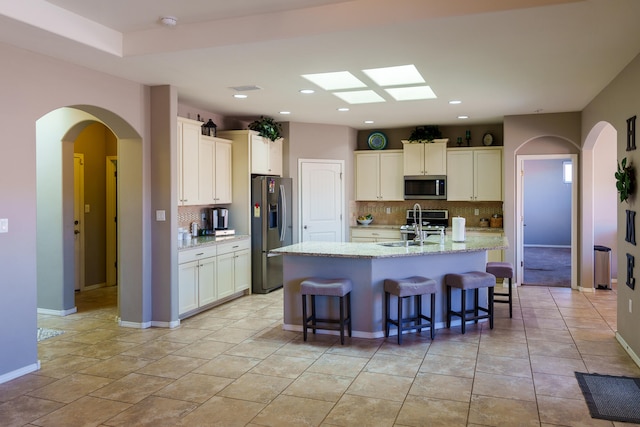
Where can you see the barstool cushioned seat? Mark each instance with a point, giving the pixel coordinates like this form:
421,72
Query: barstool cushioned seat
315,286
414,286
472,280
502,270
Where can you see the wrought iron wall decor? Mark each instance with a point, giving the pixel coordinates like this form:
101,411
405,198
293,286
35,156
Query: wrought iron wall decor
631,133
631,227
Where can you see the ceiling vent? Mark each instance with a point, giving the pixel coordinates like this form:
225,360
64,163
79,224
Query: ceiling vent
245,88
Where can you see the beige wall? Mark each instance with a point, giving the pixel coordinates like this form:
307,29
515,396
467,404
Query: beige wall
33,85
316,141
614,105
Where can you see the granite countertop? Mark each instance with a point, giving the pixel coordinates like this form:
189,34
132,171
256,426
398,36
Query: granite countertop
196,242
376,250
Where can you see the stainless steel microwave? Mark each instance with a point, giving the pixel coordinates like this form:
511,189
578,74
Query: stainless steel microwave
420,187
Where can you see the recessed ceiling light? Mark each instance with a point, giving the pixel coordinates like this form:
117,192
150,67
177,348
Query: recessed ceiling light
169,21
368,122
394,76
307,91
411,93
343,109
360,97
463,117
285,112
240,96
455,101
335,81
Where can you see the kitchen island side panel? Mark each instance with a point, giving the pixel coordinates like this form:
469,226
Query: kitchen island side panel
368,275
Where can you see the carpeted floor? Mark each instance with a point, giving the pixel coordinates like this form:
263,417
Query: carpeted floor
547,266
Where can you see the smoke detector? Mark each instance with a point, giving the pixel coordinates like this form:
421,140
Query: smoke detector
169,21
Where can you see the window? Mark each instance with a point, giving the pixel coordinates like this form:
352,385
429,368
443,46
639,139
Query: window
567,172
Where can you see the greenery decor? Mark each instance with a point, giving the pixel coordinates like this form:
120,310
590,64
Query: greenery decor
267,127
625,180
425,133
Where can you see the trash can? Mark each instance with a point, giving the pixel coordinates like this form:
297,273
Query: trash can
602,267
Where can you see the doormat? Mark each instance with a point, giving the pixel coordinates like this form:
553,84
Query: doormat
44,333
611,398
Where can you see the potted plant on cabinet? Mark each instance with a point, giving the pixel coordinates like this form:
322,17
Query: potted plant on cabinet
267,128
428,133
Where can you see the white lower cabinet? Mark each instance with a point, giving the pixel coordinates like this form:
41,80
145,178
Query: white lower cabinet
374,235
234,268
212,273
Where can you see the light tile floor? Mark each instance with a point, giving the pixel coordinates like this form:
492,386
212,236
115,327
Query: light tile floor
235,366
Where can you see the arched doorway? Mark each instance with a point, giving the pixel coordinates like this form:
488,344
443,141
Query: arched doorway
55,136
598,198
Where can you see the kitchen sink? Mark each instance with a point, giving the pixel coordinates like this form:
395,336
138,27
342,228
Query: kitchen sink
403,244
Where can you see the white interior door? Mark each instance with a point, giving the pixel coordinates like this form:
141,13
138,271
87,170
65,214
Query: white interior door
321,190
78,219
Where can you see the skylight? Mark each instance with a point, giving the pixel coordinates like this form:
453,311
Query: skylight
360,97
395,76
335,81
411,93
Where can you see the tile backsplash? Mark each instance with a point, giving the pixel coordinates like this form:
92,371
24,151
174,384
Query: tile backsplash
189,214
397,210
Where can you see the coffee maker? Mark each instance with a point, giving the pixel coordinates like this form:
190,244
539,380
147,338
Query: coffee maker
218,219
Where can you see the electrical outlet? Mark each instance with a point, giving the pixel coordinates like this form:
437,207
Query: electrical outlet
476,212
388,210
630,306
4,225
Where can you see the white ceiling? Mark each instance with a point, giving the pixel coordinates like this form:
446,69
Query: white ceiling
499,57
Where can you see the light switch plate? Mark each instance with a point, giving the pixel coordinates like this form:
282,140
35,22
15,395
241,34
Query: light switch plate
160,216
87,208
4,225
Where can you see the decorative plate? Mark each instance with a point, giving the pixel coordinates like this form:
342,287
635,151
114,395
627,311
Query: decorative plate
377,141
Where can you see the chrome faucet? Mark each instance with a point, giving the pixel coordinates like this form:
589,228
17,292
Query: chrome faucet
417,223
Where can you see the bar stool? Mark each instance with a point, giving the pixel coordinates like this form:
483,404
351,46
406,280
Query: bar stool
472,280
415,286
502,270
315,286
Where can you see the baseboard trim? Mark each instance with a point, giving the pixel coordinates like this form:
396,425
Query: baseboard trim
57,312
371,335
135,325
170,325
628,349
145,325
19,372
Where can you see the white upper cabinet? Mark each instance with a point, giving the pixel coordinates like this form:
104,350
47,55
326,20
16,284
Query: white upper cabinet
204,166
379,175
188,144
266,156
474,174
424,158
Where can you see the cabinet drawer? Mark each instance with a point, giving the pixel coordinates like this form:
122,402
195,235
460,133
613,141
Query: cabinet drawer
375,233
233,246
196,254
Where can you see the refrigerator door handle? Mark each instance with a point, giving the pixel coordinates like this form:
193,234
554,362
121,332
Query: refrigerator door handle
283,209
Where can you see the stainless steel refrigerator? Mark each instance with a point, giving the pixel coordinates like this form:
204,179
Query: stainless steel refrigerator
270,229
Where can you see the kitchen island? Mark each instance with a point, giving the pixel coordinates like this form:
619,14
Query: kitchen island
368,265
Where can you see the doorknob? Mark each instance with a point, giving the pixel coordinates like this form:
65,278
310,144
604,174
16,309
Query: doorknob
76,222
305,227
76,231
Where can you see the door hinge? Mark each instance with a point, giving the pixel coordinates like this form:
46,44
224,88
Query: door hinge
340,176
521,263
